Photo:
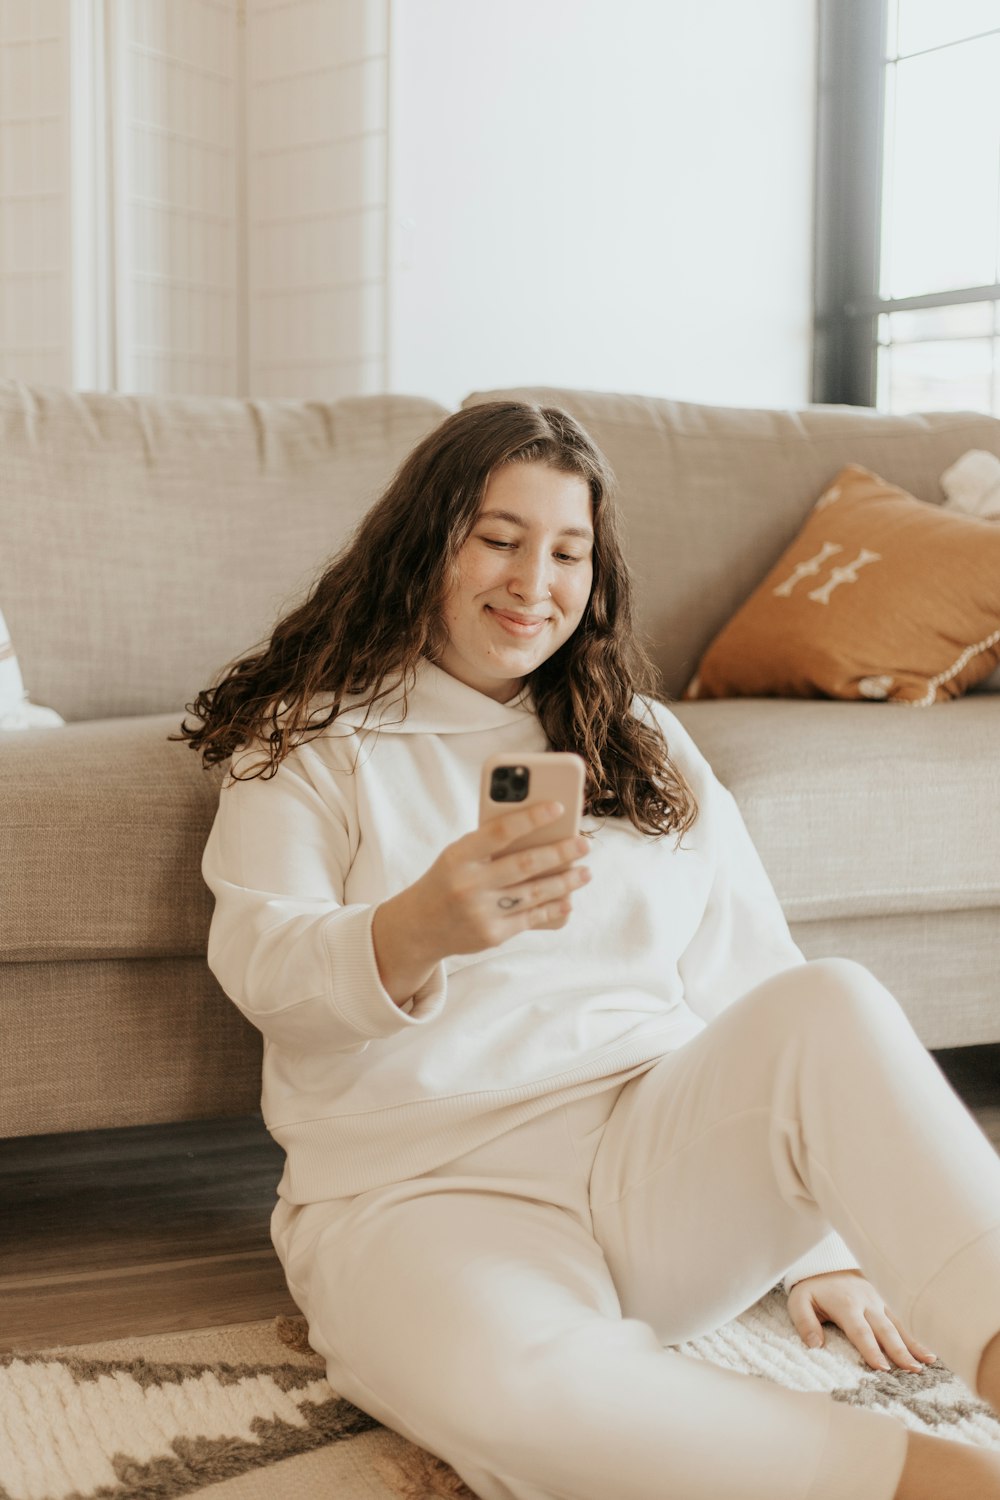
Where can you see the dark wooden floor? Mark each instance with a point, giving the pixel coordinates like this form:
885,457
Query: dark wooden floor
106,1234
109,1233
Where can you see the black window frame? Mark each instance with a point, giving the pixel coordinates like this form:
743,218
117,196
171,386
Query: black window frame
850,129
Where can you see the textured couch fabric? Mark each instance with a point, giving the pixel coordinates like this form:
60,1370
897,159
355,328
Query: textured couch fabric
713,495
148,541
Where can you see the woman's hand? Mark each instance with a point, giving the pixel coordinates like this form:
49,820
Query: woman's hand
475,896
852,1303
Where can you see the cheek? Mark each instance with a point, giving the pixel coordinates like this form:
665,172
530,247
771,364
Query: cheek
461,597
580,595
475,577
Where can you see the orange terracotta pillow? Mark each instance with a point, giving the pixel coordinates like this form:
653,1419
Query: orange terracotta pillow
880,595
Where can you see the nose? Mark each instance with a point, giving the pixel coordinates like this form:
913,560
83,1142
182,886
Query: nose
530,577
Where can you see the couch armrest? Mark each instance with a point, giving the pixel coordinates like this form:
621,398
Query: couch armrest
102,827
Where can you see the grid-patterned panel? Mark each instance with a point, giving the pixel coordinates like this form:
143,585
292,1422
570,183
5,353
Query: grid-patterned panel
316,195
35,192
177,76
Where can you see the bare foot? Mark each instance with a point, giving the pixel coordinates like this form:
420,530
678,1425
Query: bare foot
988,1375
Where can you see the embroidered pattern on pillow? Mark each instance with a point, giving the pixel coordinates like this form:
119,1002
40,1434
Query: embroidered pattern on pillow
880,596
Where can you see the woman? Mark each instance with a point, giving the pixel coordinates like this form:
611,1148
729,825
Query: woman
547,1114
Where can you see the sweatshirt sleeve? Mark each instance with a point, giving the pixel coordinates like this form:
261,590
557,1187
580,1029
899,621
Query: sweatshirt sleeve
297,961
743,939
831,1254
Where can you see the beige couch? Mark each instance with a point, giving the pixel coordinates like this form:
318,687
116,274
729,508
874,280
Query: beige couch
147,541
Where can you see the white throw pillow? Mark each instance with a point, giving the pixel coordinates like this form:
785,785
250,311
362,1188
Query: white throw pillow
972,485
15,710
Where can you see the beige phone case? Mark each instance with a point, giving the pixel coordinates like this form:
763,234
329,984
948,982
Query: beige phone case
553,776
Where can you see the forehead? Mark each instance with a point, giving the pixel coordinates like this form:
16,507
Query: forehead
537,495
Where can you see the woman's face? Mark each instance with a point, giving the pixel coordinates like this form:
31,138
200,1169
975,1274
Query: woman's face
524,577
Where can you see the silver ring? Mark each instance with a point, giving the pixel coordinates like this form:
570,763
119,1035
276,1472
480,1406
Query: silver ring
507,903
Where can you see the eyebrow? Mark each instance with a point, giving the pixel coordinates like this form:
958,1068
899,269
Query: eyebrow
508,515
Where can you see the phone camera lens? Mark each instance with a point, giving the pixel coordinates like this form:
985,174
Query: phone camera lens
509,784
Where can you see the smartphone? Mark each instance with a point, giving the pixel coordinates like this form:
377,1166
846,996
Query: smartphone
509,782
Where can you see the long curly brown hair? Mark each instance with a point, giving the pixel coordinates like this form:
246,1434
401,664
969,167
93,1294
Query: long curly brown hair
375,612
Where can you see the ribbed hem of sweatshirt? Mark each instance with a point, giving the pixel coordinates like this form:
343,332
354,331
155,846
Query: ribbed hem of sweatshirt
831,1254
360,996
343,1155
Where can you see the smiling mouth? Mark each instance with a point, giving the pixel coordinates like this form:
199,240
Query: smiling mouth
518,624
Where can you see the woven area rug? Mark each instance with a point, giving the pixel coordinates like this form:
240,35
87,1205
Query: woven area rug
245,1413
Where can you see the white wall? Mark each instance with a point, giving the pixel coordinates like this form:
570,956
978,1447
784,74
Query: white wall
333,197
613,194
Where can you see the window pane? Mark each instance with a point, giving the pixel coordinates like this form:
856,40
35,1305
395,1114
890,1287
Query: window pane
939,221
932,23
956,376
964,320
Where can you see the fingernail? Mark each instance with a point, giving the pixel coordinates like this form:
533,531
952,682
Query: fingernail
814,1340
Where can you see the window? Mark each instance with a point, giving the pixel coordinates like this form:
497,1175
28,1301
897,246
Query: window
908,206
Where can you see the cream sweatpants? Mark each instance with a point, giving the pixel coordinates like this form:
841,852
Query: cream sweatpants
509,1311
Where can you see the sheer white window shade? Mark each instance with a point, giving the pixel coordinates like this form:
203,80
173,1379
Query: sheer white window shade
193,194
908,203
35,191
942,179
922,24
173,101
938,334
317,166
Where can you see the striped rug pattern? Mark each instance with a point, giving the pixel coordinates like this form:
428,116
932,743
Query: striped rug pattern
246,1413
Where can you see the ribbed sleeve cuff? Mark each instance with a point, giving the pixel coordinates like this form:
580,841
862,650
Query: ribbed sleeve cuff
831,1254
356,987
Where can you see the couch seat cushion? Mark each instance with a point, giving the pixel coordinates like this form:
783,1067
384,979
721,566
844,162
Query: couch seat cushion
863,809
858,809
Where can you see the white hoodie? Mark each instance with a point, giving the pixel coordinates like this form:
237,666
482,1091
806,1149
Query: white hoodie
361,1092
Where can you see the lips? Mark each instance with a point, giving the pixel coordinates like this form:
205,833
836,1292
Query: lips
517,624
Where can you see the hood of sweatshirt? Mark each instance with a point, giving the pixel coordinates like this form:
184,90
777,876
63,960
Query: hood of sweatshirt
436,703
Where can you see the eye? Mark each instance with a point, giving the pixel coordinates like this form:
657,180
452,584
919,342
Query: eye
568,557
495,542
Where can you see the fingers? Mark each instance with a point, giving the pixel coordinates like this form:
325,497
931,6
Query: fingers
534,894
493,836
885,1333
478,896
549,917
862,1336
914,1345
526,864
865,1320
904,1348
807,1325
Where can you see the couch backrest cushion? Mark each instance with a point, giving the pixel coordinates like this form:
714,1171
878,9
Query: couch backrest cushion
713,495
146,541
